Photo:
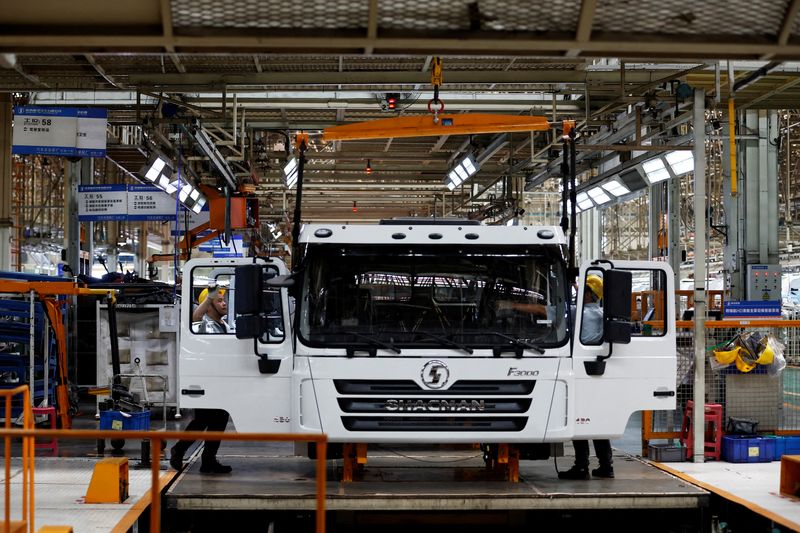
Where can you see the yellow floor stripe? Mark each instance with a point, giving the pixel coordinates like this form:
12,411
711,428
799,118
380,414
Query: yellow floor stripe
133,514
731,497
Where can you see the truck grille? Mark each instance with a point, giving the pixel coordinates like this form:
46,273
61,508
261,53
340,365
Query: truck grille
433,423
407,387
468,405
449,405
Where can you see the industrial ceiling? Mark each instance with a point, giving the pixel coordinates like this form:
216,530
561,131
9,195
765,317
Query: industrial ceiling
252,71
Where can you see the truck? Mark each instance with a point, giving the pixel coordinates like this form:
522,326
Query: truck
431,331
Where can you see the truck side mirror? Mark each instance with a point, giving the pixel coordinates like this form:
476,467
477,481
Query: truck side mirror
250,323
617,287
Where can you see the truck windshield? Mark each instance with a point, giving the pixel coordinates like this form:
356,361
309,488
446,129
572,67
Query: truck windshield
433,296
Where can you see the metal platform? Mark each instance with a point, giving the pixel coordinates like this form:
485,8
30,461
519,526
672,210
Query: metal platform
271,478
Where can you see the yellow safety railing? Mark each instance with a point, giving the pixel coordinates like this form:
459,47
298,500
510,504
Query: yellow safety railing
156,437
27,457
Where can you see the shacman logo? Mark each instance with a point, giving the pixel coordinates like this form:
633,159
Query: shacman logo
435,374
518,372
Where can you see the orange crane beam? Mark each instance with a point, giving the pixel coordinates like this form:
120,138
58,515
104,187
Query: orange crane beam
435,125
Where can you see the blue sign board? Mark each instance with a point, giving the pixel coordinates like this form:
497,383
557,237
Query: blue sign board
60,131
752,308
102,202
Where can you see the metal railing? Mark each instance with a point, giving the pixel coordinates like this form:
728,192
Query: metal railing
772,400
27,456
29,433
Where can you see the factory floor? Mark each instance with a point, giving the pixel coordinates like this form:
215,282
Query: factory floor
433,487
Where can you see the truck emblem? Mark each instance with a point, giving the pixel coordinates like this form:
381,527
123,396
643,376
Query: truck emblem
435,374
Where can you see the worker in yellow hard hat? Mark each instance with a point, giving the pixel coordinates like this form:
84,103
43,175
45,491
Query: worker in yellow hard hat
591,334
595,283
211,310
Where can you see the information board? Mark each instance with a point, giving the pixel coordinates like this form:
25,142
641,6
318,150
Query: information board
102,202
147,202
59,131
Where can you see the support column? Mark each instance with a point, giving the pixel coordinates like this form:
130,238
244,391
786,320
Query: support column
674,228
6,185
87,178
699,275
733,261
72,235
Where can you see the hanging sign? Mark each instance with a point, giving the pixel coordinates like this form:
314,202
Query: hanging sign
147,202
59,131
102,202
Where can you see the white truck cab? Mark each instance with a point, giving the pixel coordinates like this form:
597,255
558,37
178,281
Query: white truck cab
432,332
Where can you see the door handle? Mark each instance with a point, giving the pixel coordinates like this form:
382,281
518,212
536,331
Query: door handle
660,393
193,392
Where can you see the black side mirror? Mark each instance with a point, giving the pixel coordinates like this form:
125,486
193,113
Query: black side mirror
617,288
250,323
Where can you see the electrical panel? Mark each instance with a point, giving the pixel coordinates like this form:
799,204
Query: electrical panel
764,282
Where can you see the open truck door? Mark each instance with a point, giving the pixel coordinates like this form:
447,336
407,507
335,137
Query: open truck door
244,371
624,355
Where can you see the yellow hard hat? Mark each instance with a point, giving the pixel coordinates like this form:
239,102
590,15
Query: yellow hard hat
595,283
204,294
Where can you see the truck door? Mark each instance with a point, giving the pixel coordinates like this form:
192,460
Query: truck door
639,375
217,369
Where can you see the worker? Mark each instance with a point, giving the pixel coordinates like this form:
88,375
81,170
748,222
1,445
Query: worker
204,420
211,310
591,333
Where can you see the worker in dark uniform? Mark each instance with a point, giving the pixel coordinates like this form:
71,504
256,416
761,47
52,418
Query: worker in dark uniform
591,333
213,305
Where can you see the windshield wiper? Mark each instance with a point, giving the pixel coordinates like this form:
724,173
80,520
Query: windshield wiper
447,342
372,341
516,341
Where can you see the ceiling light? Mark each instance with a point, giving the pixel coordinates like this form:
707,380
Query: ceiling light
583,201
655,170
194,194
199,205
680,161
616,188
290,172
184,194
158,165
599,196
461,172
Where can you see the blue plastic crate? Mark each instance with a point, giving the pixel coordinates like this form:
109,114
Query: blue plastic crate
748,449
120,420
786,446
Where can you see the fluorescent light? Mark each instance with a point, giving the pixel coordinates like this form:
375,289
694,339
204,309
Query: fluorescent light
199,205
194,194
583,201
152,174
185,192
599,196
158,164
469,165
461,172
655,170
290,172
681,161
616,188
171,188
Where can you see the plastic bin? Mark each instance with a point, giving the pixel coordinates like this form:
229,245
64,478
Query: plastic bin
786,446
748,449
120,420
666,453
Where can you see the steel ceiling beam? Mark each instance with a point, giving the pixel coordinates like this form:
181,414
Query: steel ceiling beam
607,44
387,78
